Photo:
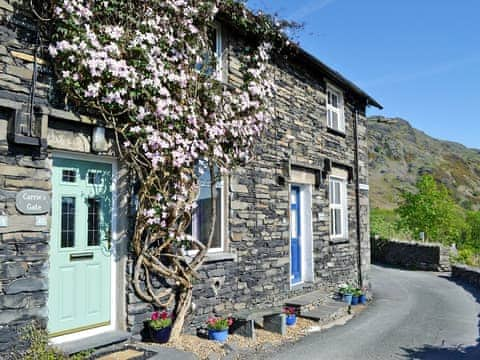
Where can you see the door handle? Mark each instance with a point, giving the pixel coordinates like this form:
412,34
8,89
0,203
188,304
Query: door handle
81,256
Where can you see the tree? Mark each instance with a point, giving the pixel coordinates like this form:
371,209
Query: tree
431,210
142,67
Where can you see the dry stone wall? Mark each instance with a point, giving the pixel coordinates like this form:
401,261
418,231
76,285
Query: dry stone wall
411,255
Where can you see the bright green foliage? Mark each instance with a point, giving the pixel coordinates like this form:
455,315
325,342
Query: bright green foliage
472,233
433,211
39,349
384,223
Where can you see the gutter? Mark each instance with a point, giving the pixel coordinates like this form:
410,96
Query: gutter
357,198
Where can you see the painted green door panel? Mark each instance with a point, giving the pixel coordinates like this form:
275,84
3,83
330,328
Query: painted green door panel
79,290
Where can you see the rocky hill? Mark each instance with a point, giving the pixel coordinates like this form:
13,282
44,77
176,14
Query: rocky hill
399,154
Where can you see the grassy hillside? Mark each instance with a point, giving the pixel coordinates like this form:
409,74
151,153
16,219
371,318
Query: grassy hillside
399,154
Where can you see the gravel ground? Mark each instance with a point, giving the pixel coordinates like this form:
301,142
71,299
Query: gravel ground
240,347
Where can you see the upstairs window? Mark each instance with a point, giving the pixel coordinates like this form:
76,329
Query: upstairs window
214,53
338,208
335,114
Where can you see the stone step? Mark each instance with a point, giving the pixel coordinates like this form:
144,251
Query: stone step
309,300
326,312
93,342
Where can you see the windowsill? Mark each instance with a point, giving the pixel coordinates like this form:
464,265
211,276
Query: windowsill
220,256
336,132
336,241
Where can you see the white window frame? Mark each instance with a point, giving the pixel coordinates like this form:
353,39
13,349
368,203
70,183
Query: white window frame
343,207
218,52
196,223
340,111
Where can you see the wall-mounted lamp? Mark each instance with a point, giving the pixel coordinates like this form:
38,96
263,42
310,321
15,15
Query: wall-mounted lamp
99,142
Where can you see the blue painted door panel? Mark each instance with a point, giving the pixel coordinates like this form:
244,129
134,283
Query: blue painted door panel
295,233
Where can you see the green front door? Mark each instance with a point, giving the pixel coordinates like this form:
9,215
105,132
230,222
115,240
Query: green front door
79,278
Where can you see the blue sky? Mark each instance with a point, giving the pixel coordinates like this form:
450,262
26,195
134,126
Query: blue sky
419,58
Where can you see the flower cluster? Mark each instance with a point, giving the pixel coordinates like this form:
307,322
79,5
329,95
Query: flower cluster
218,323
141,65
289,310
160,320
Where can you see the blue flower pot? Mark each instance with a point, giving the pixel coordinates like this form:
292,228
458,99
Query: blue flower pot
354,300
362,299
160,336
291,319
218,335
347,298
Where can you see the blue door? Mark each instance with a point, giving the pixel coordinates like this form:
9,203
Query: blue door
295,250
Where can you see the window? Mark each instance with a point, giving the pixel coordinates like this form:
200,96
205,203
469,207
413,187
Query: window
215,52
94,178
335,116
338,208
68,222
93,222
69,176
201,220
218,51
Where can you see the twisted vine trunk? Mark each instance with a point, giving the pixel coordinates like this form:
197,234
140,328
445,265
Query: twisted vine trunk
151,248
183,305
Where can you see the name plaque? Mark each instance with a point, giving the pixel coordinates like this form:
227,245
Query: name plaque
33,202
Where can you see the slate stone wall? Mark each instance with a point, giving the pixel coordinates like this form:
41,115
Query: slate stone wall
258,207
254,270
23,244
411,255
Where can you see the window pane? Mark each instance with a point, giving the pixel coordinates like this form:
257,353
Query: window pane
293,223
334,100
334,120
337,193
94,178
204,219
93,222
332,222
69,176
293,197
338,222
330,192
68,222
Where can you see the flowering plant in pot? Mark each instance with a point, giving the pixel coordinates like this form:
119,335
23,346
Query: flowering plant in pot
160,326
363,296
218,328
291,317
356,296
346,291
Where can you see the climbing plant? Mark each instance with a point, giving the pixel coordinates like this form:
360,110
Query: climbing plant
144,68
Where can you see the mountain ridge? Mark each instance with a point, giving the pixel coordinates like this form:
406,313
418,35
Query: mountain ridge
399,154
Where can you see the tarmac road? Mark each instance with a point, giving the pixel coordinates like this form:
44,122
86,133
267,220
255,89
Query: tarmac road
415,315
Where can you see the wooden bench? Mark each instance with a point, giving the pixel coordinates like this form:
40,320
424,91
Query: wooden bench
273,320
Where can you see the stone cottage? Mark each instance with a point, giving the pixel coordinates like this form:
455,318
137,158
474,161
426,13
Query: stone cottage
292,221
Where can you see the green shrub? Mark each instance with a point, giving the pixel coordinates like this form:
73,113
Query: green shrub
38,348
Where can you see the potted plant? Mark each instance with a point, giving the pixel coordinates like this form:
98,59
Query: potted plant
355,296
363,297
346,291
160,326
291,317
218,328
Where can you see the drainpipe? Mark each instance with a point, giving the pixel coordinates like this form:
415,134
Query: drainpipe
357,198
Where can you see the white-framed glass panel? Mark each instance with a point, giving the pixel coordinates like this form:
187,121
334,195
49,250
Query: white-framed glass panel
215,52
335,110
202,215
338,208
